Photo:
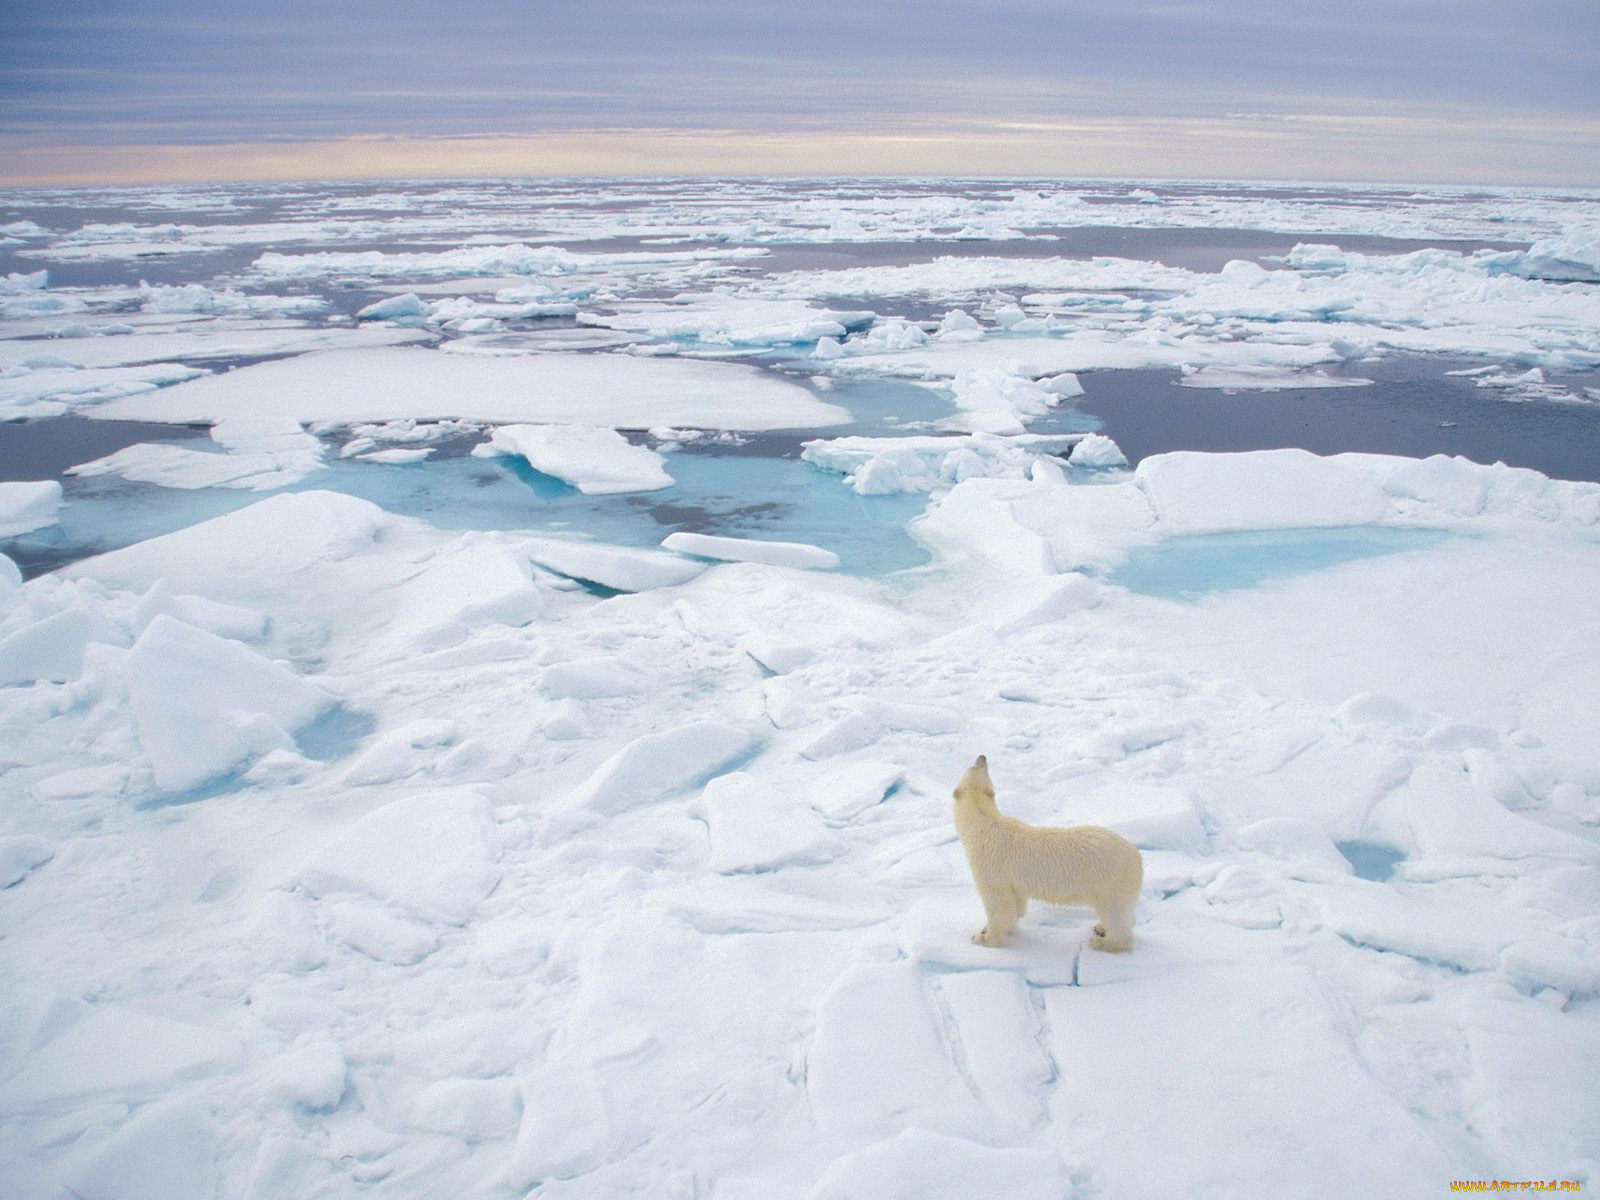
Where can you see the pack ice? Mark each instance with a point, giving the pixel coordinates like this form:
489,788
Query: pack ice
344,855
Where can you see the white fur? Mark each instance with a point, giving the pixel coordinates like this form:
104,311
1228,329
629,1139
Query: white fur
1013,862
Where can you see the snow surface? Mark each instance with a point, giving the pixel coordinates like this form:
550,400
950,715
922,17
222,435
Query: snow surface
343,855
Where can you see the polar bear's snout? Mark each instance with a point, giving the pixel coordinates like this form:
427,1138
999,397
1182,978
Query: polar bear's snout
1013,862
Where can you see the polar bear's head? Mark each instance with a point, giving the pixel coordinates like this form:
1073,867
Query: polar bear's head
975,786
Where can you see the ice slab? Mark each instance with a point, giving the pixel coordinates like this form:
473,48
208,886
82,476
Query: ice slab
52,387
204,704
753,550
258,453
615,568
753,827
430,855
1269,378
595,461
197,341
656,765
611,390
270,539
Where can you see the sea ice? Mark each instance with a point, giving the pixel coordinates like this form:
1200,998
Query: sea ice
25,507
430,855
595,461
613,391
753,827
917,1164
752,550
204,704
259,454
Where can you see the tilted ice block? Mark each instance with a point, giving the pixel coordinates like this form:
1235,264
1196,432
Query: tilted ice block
472,581
656,765
48,650
977,520
204,705
616,567
1097,450
25,507
565,1129
269,539
432,855
779,554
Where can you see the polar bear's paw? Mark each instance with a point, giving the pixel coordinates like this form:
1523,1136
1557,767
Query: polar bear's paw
1100,940
984,938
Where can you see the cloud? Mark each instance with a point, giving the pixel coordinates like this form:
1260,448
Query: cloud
130,75
1297,146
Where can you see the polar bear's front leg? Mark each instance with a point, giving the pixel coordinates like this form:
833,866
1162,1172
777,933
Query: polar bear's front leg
1002,906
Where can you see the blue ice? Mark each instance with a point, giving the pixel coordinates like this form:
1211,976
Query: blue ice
1187,567
1371,860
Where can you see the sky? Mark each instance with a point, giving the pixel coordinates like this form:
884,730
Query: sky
1456,91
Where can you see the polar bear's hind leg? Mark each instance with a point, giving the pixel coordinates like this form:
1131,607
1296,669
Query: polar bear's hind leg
1115,930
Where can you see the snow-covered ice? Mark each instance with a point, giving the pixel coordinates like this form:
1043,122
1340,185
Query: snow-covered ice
595,461
346,854
614,391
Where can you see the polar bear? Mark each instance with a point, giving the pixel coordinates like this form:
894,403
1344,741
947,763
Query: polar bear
1013,862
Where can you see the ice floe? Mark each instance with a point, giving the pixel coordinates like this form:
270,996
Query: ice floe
613,391
595,461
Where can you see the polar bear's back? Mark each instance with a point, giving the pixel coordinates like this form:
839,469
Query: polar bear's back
1080,864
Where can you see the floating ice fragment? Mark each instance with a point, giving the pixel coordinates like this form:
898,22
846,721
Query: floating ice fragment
1097,450
407,309
595,461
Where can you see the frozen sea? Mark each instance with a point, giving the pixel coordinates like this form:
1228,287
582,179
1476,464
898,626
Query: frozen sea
483,665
